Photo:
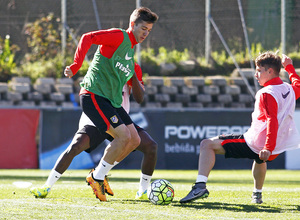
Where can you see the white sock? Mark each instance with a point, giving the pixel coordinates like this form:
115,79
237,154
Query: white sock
102,170
257,190
201,178
52,178
144,182
116,163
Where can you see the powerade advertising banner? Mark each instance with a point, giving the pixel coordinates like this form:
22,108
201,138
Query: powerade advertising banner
178,134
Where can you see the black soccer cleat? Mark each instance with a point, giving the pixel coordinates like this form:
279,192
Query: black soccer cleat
198,191
257,197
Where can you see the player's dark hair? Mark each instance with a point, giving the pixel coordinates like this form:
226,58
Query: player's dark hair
269,60
143,14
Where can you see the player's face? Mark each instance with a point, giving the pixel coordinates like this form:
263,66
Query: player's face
262,75
141,31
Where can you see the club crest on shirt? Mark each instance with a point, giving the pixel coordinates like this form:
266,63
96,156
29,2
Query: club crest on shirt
114,119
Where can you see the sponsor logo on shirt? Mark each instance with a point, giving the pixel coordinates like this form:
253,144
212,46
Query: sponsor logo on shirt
127,57
285,95
123,68
114,119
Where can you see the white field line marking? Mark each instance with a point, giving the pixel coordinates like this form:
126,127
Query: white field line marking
22,184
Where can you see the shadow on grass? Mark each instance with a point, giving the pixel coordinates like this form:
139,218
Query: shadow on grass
231,207
216,206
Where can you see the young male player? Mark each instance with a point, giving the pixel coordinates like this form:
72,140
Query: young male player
101,88
272,130
88,137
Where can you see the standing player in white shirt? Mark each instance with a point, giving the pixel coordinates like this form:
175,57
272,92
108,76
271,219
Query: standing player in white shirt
272,130
88,137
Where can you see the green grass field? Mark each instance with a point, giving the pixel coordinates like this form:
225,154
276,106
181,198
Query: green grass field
71,198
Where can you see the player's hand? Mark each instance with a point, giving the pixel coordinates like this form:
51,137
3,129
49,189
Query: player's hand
68,72
286,60
264,155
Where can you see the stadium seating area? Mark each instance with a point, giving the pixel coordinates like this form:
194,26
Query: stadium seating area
197,92
161,92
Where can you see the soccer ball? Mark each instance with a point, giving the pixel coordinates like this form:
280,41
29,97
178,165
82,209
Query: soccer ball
160,192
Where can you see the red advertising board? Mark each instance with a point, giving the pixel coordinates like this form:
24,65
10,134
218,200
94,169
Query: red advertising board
18,146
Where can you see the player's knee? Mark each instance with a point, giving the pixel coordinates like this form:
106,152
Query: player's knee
135,141
74,150
151,148
78,145
206,144
124,137
128,138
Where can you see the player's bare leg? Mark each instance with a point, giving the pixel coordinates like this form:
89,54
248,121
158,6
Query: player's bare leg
208,150
259,173
207,157
79,143
149,148
125,137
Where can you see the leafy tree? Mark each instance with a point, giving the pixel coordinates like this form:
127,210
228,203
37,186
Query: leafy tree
44,58
43,38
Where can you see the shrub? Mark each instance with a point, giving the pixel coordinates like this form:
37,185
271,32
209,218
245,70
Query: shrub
7,61
43,38
44,58
52,67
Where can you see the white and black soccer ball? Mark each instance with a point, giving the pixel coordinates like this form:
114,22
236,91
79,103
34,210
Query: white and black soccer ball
160,192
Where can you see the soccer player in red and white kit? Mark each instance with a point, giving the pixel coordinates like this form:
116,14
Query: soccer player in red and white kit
88,137
272,130
101,88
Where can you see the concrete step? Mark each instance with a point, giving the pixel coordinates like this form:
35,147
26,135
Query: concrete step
20,87
171,90
190,90
57,97
64,88
21,80
3,87
150,89
211,90
162,98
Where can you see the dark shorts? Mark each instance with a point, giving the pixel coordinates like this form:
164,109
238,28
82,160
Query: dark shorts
97,137
102,113
236,147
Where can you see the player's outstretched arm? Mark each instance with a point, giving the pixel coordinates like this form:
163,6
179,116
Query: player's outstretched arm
294,77
111,37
